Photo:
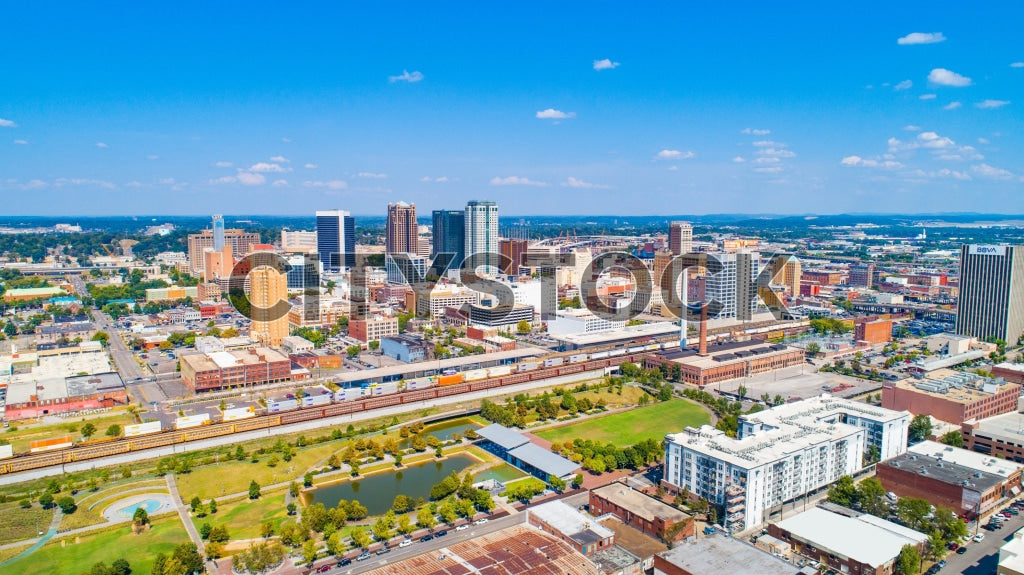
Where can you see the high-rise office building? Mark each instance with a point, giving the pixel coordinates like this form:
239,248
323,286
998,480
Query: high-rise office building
298,241
241,243
268,295
862,275
786,272
991,292
680,238
449,234
402,231
482,234
335,240
514,250
218,233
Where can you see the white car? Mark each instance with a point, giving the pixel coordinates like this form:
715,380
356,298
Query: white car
405,543
481,521
462,527
979,537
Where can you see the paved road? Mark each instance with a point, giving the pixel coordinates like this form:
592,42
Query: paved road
123,358
982,558
296,427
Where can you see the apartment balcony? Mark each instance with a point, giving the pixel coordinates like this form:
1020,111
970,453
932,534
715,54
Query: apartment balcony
738,508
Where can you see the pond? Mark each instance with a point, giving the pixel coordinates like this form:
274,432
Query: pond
377,491
444,430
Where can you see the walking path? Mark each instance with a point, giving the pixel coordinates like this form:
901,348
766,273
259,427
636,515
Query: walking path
38,542
193,533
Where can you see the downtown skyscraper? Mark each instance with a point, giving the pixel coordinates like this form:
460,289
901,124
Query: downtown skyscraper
402,230
482,234
335,240
991,292
449,235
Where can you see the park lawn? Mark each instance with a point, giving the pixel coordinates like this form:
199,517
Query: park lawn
631,395
234,476
20,437
633,426
244,517
12,552
17,524
107,546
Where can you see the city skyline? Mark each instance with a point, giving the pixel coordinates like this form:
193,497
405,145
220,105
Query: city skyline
678,109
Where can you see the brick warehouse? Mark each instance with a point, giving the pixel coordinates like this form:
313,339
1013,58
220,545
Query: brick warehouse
967,491
976,400
727,361
642,512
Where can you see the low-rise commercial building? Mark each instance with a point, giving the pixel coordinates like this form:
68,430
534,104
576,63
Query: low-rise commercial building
780,454
848,542
407,348
498,317
999,436
29,294
954,397
1011,556
874,332
642,512
296,344
577,530
65,331
373,328
580,321
172,293
968,492
231,369
54,395
1012,372
515,448
720,554
728,361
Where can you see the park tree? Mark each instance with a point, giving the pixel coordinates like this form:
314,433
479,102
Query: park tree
88,430
213,506
871,496
267,529
67,505
195,504
936,545
403,503
309,551
334,545
254,490
405,525
523,327
46,500
204,530
113,431
425,518
913,512
361,538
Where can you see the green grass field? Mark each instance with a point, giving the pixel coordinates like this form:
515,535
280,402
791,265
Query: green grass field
25,434
74,558
243,517
633,426
17,523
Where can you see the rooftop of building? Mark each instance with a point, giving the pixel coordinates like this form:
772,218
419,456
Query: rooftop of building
548,462
1011,554
614,559
571,523
234,358
1008,427
727,353
783,429
62,328
517,550
502,436
945,471
959,387
865,538
36,291
966,458
1011,366
397,371
632,539
639,504
656,329
718,553
407,340
47,379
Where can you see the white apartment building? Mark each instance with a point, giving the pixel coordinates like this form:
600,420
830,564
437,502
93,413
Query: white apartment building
298,241
481,224
580,321
780,454
439,299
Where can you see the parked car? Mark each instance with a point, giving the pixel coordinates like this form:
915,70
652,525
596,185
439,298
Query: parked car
979,537
405,543
426,538
441,533
953,546
383,550
344,562
462,527
961,551
323,569
481,521
364,556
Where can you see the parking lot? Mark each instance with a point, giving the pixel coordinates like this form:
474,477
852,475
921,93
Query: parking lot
798,381
981,558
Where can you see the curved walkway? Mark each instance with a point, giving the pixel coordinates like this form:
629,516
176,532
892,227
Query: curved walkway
112,515
39,542
155,487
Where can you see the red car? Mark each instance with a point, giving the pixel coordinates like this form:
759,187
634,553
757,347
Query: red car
953,546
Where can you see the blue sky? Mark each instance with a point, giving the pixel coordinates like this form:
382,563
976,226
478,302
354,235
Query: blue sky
596,108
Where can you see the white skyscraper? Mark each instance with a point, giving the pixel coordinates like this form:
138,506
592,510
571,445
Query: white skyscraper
482,234
218,233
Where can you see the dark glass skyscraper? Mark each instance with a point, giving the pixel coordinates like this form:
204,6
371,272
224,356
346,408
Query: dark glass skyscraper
335,240
449,234
991,292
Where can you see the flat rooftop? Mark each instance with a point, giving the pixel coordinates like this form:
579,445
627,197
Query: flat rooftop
229,359
633,540
719,554
639,503
957,387
971,459
783,429
731,353
945,471
396,372
571,523
517,550
1008,427
47,379
865,539
657,329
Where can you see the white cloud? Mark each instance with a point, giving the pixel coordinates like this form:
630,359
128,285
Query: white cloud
904,85
310,166
952,106
673,155
407,76
286,140
7,124
279,159
371,175
572,182
224,180
605,64
991,104
857,161
438,180
251,179
135,184
166,181
61,182
946,173
223,164
1017,65
769,170
263,167
152,157
673,168
769,144
330,185
553,114
35,184
101,145
776,152
944,77
767,160
21,142
739,160
991,172
755,132
983,140
926,97
921,38
280,183
912,128
515,181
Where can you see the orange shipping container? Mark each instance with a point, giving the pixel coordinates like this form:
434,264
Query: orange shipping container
47,444
449,379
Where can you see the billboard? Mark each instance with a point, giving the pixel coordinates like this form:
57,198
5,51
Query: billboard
986,250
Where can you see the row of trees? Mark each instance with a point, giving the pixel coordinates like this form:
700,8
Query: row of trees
598,458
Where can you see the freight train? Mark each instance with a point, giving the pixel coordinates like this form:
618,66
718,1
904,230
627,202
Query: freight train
149,435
